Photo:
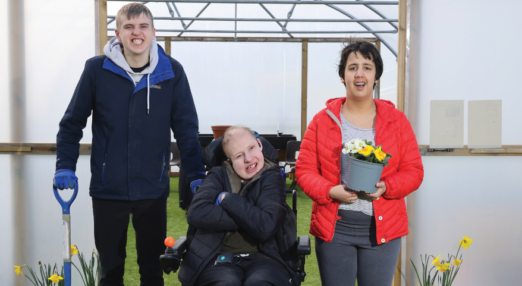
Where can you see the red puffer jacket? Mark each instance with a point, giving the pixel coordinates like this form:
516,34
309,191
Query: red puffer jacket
318,169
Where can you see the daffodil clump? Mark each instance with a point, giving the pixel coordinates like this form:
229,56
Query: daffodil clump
49,276
365,151
449,268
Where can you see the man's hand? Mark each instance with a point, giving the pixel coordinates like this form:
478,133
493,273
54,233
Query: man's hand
343,194
381,188
194,186
65,179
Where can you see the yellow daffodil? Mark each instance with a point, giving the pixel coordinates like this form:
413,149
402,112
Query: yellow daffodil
55,278
18,269
465,242
442,267
366,151
457,262
379,154
74,250
436,260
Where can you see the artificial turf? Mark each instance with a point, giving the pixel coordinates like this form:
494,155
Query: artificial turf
177,226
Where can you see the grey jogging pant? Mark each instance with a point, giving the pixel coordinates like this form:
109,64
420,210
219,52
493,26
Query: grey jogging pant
354,253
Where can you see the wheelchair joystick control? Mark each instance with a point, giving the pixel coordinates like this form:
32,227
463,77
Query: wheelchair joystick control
169,242
169,261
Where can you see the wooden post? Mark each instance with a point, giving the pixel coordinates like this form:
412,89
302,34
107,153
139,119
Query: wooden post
167,45
401,55
304,87
378,87
100,8
401,72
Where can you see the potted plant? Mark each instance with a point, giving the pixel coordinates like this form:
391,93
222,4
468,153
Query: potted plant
365,164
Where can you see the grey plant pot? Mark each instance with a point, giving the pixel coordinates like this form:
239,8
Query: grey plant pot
362,176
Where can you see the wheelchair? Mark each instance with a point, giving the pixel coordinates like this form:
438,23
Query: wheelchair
213,155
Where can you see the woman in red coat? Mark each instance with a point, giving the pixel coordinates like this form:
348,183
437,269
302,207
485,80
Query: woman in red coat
357,234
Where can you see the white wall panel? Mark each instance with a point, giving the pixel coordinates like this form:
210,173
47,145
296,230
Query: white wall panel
470,55
477,197
59,39
254,84
6,220
474,196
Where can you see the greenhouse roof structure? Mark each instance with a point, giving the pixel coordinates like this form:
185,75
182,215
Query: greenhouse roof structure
273,20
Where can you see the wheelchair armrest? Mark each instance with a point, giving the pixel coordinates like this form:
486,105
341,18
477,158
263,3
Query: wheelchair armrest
171,259
303,245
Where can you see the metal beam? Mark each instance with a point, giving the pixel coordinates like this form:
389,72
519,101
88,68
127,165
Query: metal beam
362,24
271,20
256,39
273,17
274,32
275,2
378,13
206,6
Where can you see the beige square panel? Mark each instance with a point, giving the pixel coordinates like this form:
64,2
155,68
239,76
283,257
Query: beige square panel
485,124
447,124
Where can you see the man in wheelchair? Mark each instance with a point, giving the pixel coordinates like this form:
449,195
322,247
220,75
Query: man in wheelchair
241,229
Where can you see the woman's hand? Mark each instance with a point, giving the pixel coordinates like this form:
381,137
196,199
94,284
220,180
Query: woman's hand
381,188
343,194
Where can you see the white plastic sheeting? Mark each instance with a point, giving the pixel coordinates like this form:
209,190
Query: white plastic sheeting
469,55
59,38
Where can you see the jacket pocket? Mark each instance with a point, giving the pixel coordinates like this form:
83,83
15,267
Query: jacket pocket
103,166
162,167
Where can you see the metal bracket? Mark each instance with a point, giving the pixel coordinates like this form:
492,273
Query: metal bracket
440,150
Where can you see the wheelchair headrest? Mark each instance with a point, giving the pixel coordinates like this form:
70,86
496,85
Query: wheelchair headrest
213,155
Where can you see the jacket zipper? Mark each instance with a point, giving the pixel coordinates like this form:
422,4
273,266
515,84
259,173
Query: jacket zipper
103,168
162,167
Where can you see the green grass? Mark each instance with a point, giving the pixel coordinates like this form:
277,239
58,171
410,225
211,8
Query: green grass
177,226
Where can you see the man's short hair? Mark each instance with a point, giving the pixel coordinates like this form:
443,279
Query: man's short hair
133,10
227,136
367,50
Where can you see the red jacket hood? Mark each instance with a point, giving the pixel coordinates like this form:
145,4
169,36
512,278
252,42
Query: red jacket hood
385,108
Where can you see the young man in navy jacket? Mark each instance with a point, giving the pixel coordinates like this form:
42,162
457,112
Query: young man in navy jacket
136,94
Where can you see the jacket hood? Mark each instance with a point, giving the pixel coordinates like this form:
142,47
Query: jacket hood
385,108
235,180
114,51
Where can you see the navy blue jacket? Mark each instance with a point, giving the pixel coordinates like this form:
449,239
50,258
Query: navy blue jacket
130,148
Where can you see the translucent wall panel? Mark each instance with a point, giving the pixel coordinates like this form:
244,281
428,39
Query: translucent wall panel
53,67
5,129
477,197
6,221
455,67
473,196
59,38
254,84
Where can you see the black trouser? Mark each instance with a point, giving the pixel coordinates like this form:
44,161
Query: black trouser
256,269
111,220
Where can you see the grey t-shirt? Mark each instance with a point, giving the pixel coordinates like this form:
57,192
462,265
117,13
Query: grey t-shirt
350,132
